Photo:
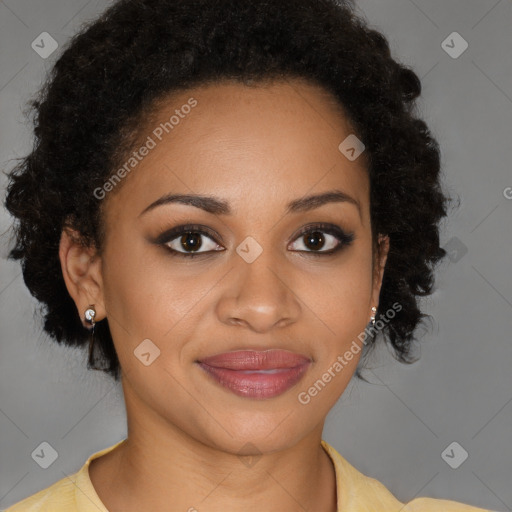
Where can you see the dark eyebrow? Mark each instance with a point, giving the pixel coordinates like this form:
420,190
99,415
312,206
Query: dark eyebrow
218,206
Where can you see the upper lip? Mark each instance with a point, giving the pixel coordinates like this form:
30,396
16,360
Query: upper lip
256,360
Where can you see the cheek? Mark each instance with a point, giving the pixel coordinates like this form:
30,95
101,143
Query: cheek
339,298
136,306
148,295
340,315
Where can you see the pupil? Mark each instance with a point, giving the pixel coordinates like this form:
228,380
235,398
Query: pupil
194,245
314,239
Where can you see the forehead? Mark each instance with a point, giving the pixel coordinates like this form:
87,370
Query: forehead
271,142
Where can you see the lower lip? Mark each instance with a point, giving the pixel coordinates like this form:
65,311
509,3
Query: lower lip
257,384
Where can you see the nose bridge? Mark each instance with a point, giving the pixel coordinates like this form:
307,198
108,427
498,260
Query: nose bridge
262,277
262,297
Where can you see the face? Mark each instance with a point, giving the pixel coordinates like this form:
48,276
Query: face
270,270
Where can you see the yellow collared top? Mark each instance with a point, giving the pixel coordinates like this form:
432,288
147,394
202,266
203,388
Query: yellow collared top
356,492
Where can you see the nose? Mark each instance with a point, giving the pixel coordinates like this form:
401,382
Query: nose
259,295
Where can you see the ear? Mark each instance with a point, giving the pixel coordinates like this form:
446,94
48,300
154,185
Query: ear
81,269
378,271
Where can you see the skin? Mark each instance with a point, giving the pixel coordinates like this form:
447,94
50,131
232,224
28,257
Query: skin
258,148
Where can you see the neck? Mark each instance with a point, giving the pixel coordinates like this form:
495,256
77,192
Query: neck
167,469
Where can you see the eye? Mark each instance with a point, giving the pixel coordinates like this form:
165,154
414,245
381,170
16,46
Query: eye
188,238
187,241
312,239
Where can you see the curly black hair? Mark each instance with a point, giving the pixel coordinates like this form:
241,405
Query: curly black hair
116,68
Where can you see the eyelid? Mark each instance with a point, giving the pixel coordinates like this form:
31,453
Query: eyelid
165,237
330,229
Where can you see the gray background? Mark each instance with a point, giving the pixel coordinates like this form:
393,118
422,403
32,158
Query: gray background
394,429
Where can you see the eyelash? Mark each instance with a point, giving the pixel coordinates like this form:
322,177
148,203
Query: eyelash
344,239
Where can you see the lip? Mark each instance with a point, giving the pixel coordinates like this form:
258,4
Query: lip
256,374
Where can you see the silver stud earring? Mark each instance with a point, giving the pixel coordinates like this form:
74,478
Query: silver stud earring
372,318
90,314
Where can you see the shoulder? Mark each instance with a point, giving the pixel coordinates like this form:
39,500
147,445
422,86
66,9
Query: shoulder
437,505
59,497
73,493
357,492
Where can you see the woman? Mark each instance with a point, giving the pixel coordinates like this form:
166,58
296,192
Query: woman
228,202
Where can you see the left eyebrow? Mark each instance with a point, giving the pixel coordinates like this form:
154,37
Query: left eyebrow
219,206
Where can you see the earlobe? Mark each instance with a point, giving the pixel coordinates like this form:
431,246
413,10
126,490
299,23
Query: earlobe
81,270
